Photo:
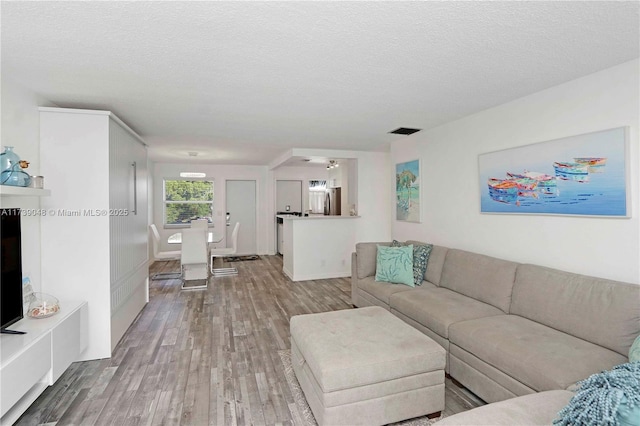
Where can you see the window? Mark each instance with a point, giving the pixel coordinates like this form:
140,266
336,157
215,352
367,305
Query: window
317,192
187,200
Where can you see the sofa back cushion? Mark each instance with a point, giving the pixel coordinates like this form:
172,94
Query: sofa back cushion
597,310
366,256
481,277
435,263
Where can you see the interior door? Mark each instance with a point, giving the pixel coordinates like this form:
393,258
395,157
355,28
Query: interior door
241,207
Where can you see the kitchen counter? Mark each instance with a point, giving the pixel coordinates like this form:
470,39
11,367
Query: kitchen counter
317,246
319,216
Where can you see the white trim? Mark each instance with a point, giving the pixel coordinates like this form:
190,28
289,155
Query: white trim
309,277
95,112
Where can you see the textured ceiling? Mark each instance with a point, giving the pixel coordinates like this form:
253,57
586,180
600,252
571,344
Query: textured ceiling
241,82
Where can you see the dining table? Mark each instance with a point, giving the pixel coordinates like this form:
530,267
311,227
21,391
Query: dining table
212,237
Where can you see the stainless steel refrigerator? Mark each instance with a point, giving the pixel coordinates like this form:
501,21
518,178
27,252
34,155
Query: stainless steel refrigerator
332,202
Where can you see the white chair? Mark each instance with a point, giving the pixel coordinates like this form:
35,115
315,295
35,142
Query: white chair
200,223
222,252
194,257
162,255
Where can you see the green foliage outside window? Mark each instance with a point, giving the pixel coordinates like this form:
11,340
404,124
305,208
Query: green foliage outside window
187,200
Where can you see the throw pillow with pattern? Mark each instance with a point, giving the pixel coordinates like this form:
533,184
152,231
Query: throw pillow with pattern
421,253
395,265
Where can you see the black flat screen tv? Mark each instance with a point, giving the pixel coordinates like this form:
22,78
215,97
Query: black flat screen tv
11,265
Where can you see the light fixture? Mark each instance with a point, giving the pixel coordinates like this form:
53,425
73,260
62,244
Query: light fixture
192,174
332,164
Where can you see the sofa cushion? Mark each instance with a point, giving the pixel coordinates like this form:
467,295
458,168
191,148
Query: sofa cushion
481,277
366,255
383,291
535,409
575,304
395,265
437,308
436,261
536,355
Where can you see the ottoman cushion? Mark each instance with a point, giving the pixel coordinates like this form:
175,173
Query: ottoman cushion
358,347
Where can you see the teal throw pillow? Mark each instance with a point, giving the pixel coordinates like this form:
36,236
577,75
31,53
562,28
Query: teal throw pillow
395,265
421,254
634,351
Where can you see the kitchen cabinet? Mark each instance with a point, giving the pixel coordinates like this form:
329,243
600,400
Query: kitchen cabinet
94,237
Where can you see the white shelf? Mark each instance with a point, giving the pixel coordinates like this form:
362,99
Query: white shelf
31,362
19,190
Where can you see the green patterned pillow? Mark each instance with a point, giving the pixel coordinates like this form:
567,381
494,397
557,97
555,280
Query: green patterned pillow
634,351
421,254
395,265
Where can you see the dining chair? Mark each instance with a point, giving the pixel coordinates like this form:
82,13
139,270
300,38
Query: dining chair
222,252
194,257
200,223
162,255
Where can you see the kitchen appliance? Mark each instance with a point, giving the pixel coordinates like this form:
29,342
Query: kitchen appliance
332,202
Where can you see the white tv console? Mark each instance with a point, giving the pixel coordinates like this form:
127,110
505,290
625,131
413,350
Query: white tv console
31,362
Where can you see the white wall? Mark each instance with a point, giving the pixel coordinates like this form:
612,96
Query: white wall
289,194
219,174
21,129
602,247
374,187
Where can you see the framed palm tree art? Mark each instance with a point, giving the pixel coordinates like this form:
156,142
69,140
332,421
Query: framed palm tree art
408,191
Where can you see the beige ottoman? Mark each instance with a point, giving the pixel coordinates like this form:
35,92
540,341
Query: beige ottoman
365,366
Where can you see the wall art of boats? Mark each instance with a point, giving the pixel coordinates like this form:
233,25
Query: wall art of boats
506,186
571,171
506,198
544,180
522,183
525,183
591,161
594,164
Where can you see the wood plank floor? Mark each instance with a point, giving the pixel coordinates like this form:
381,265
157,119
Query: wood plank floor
202,357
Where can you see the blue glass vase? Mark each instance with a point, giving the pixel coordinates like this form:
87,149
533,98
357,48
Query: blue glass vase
11,171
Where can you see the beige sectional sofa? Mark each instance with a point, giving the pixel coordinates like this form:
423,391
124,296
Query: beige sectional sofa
510,329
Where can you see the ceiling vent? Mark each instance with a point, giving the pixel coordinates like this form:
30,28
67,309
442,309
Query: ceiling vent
404,131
